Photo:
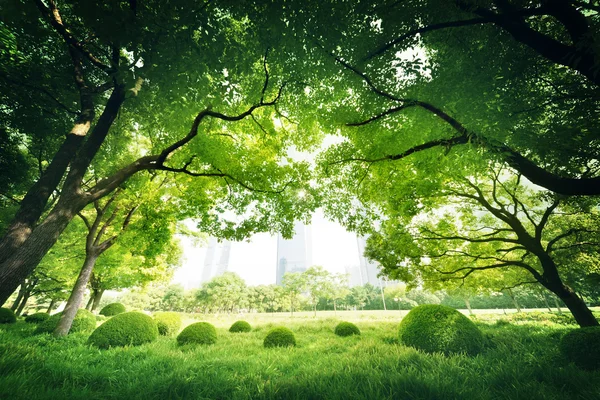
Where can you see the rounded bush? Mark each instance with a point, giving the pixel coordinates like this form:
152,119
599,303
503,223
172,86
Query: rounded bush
168,323
7,316
582,347
346,329
37,317
198,333
126,329
280,337
112,309
84,321
436,328
240,326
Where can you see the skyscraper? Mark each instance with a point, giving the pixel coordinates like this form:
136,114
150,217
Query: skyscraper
295,254
216,251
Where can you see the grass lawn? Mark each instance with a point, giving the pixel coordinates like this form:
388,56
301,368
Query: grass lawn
521,362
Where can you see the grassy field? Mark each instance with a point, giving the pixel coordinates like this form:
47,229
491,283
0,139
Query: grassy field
521,362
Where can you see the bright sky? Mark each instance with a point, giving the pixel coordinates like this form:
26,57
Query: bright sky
333,247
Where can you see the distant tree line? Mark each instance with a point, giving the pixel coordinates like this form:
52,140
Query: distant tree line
318,290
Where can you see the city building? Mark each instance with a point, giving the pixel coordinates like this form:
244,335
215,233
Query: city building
295,254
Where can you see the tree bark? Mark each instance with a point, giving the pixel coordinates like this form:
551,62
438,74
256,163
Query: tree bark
51,306
88,306
97,296
76,297
25,257
557,304
19,296
23,303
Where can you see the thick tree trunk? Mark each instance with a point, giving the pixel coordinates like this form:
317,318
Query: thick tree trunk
31,246
51,306
582,314
76,297
97,296
37,196
22,263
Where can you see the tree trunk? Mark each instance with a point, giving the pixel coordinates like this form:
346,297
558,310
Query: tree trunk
51,306
19,296
97,297
582,314
25,246
334,308
23,303
557,304
24,261
88,306
546,300
514,299
66,319
468,304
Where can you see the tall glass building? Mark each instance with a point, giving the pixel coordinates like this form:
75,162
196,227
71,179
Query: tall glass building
295,254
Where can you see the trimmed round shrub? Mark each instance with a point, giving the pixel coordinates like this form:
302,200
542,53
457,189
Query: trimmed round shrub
112,309
7,316
198,333
280,337
126,329
84,321
582,347
436,328
37,317
346,329
240,326
168,323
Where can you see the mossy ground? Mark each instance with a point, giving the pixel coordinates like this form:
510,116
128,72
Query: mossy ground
523,362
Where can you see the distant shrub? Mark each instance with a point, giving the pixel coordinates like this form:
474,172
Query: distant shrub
37,318
280,337
198,333
126,329
240,326
582,347
436,328
346,329
537,316
168,322
84,321
7,316
112,309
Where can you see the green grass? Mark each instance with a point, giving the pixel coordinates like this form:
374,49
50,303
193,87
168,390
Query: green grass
522,361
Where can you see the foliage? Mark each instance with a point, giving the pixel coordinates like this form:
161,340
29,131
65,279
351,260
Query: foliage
7,316
84,322
240,326
280,337
126,329
436,328
37,317
112,309
198,333
582,347
168,323
346,329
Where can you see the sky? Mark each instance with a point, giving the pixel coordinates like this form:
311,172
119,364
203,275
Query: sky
255,261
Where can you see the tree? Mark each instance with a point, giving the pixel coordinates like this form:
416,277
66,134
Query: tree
293,283
519,108
318,284
111,51
339,289
496,224
227,291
